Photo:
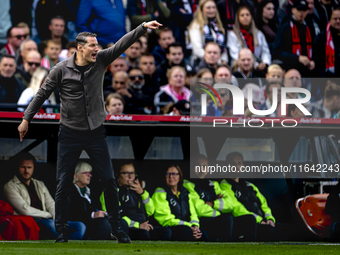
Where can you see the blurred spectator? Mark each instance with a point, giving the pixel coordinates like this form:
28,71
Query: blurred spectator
274,73
25,47
227,10
294,111
223,74
329,105
246,35
71,48
120,85
181,13
10,87
140,11
165,39
205,76
148,67
212,54
144,41
26,28
244,73
180,108
118,65
293,80
293,42
137,207
5,21
15,36
324,9
105,18
174,57
96,222
142,95
57,29
207,27
26,70
266,21
257,98
42,12
312,20
133,54
175,90
52,52
38,78
269,101
328,44
114,104
30,197
218,109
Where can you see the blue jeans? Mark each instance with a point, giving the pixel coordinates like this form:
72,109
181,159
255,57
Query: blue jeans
47,229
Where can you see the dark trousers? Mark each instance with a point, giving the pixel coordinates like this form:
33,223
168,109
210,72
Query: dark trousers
181,233
218,228
98,229
70,145
244,228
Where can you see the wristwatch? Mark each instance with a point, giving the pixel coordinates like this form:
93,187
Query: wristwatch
144,26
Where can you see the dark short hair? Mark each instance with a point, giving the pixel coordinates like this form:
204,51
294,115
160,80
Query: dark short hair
272,83
57,17
175,44
163,30
332,89
24,156
229,158
81,38
70,45
223,65
7,56
9,31
135,68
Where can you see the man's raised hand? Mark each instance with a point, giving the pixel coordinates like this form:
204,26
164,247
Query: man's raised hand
152,24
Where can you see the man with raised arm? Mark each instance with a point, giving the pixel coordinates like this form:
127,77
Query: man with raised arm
80,80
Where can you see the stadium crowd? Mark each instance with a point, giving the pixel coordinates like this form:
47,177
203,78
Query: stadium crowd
252,44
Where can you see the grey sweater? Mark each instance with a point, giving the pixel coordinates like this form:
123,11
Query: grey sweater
82,101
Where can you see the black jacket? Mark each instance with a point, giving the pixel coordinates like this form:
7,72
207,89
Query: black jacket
80,207
10,90
179,206
246,195
205,189
320,58
132,205
333,204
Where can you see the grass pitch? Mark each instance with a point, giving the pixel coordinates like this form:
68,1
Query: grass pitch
143,247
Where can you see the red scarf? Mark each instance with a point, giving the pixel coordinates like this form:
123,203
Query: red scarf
143,8
247,39
297,43
330,52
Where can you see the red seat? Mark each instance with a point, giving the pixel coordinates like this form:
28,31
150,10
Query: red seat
312,211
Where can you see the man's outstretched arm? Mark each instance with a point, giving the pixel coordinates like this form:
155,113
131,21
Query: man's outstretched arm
110,54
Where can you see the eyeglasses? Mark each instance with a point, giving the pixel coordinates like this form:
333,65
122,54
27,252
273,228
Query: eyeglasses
127,173
169,174
21,36
33,63
140,77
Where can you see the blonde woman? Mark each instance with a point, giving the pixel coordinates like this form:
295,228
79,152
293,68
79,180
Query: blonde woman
115,104
246,35
28,94
207,27
175,90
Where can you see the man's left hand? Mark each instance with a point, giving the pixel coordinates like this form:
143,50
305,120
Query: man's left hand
152,24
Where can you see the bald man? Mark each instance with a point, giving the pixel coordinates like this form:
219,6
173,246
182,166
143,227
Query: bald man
26,70
244,73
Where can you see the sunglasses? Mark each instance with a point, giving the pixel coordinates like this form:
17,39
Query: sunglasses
33,63
21,36
140,77
169,174
120,82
